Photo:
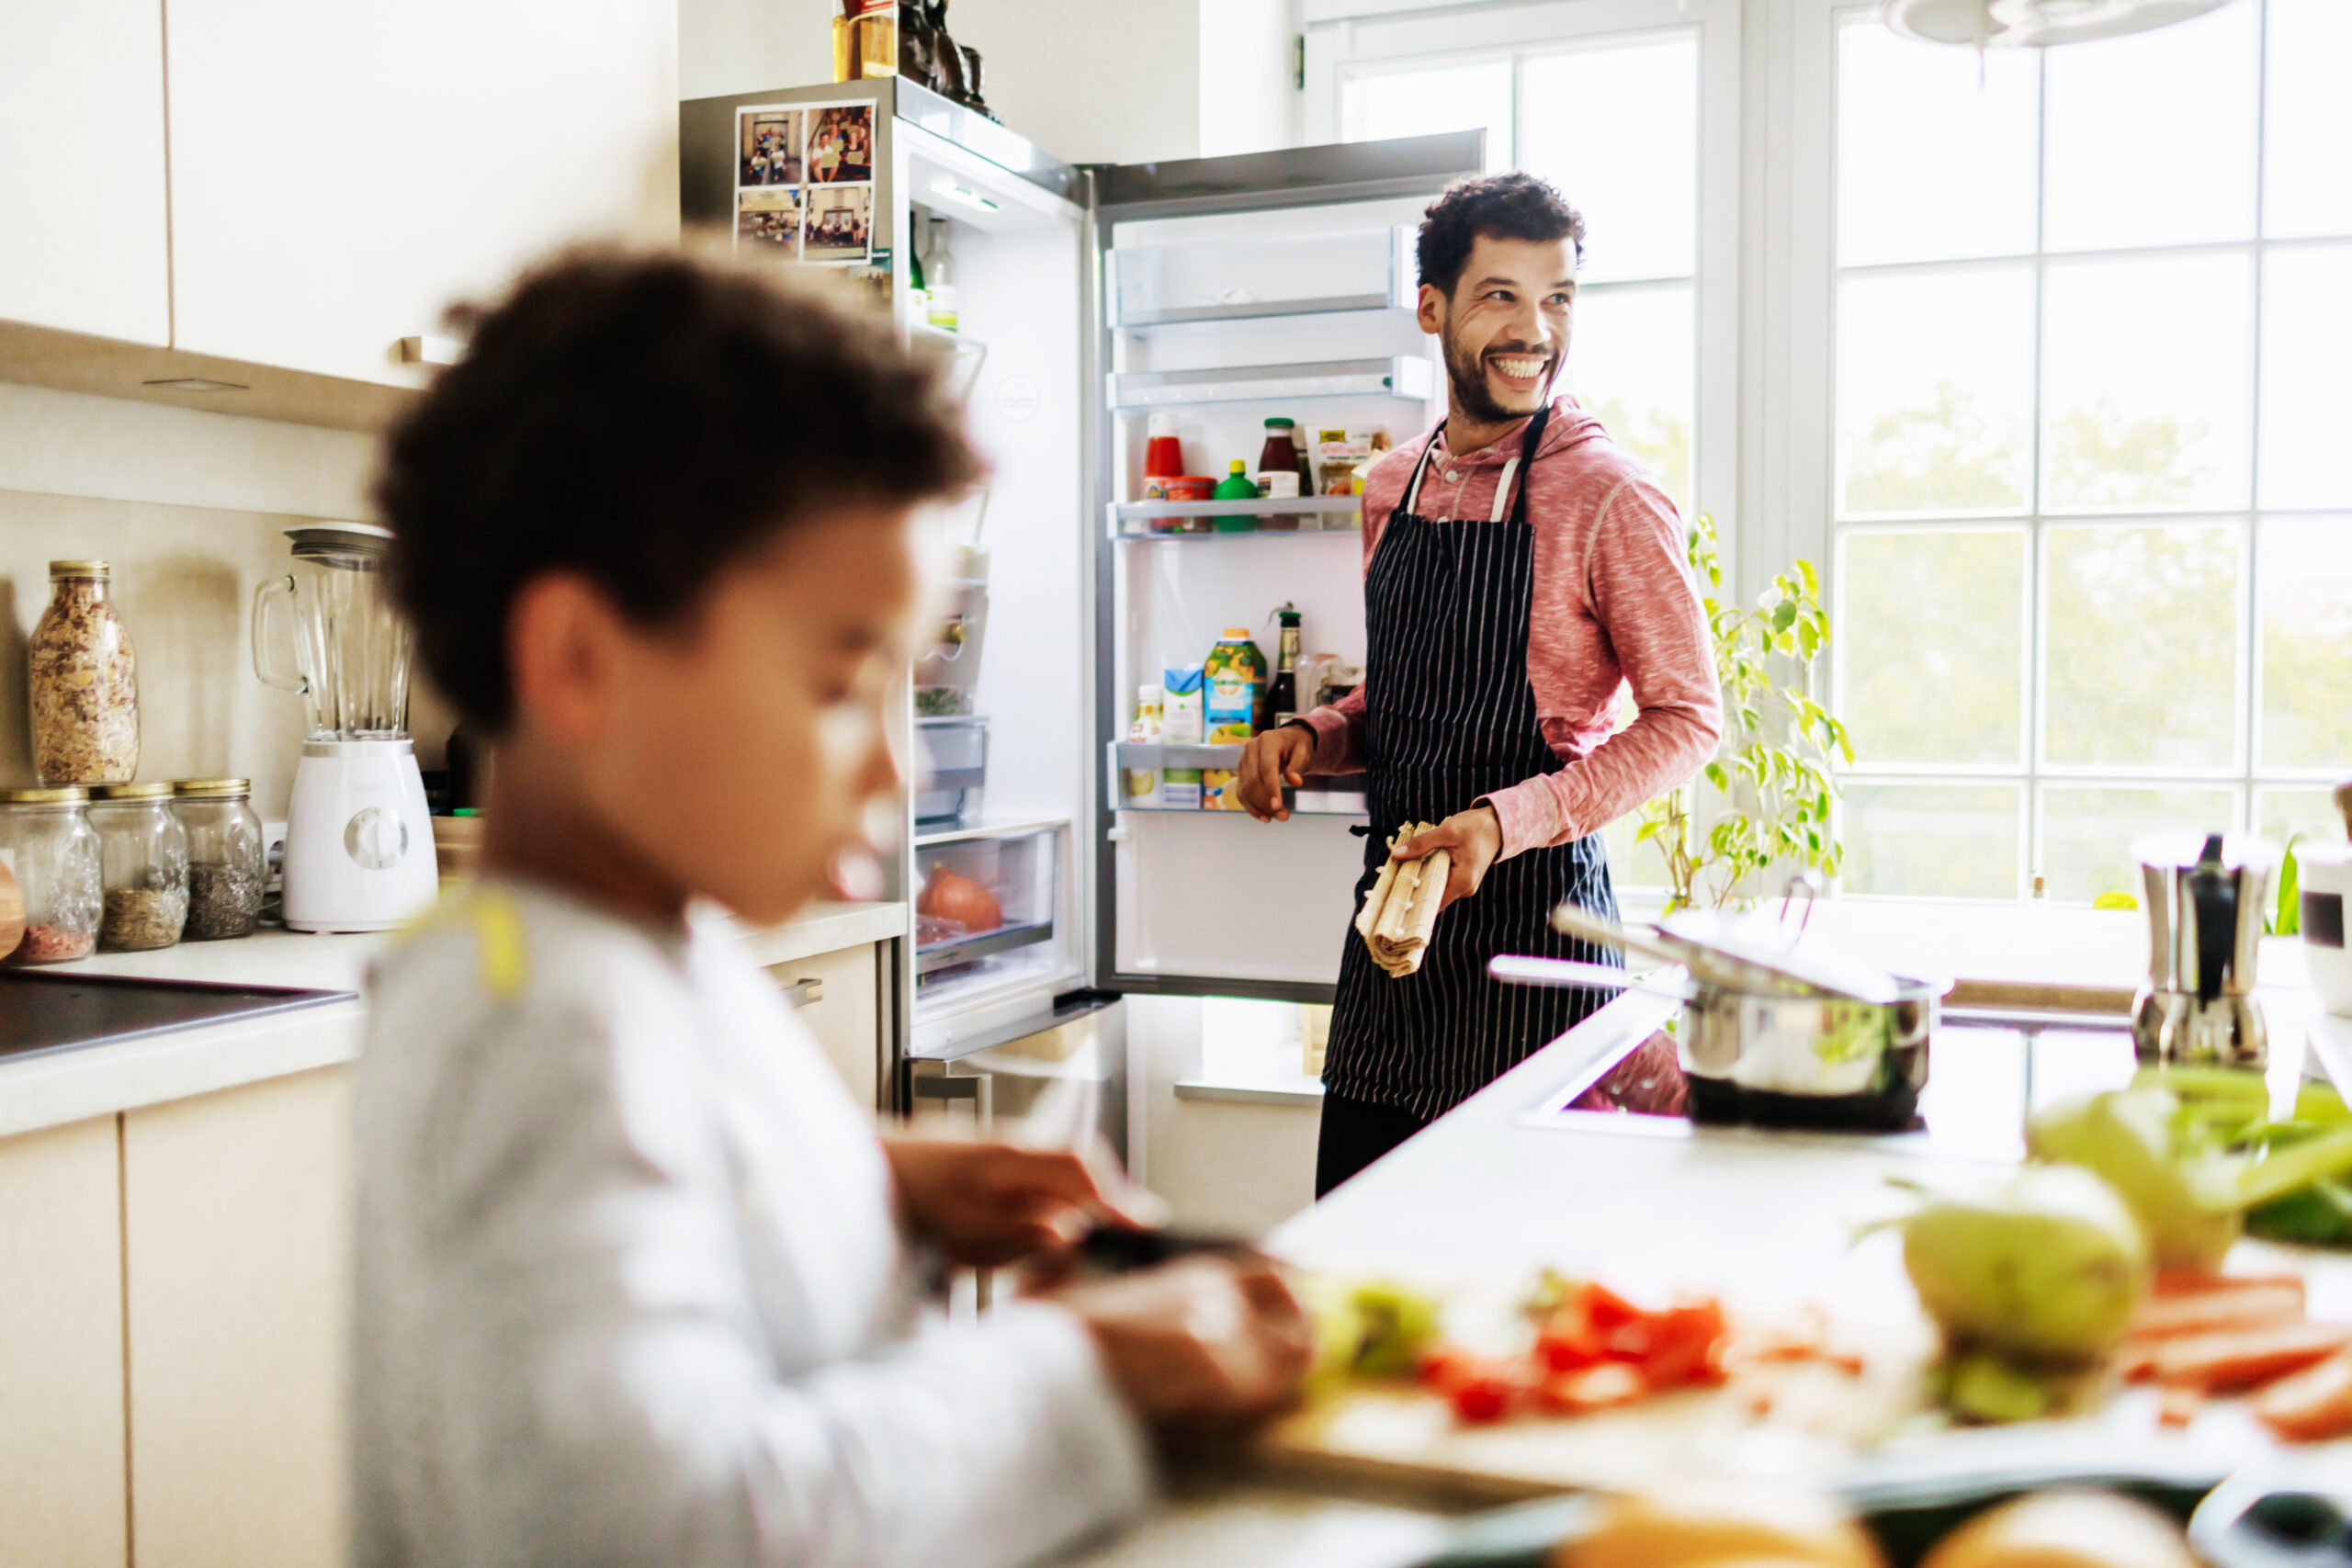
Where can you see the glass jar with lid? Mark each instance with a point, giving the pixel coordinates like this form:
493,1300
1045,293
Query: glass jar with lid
226,867
48,843
143,851
84,682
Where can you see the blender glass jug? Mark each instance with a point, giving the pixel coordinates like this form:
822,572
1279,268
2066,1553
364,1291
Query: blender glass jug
351,650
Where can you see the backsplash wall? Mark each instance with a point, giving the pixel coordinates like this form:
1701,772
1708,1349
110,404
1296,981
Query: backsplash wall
190,508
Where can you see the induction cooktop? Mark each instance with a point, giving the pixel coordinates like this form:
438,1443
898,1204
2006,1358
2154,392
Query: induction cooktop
47,1010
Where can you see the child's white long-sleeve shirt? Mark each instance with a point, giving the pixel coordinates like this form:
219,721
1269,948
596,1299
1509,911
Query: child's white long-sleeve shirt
629,1287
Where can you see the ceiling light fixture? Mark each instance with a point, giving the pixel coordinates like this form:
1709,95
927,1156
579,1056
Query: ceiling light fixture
2035,24
960,194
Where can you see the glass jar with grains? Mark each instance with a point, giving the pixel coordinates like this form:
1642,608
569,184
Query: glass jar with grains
144,850
225,863
84,682
48,843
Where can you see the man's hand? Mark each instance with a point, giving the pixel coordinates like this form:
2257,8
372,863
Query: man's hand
1201,1339
1279,757
1474,837
988,1204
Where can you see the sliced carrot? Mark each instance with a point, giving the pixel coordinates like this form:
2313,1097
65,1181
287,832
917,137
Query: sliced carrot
2265,1305
2139,1362
2223,1363
2179,1407
2315,1403
2202,1282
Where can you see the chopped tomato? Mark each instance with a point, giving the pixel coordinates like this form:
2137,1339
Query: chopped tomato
1605,1309
1682,1344
1594,1388
1442,1366
1567,1351
1483,1397
2313,1404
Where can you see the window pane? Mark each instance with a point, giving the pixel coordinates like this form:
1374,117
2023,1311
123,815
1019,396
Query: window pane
2152,137
2306,392
2142,645
1617,129
2283,814
2086,833
1932,841
2306,584
2310,142
1472,96
1935,392
2146,389
1630,362
1934,163
1931,631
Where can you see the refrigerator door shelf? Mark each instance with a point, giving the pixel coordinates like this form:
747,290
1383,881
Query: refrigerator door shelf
1407,376
1132,520
1296,275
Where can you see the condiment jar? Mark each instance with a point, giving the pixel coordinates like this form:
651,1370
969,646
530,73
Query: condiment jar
144,852
83,680
50,846
226,865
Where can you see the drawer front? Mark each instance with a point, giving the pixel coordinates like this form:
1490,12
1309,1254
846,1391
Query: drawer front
836,996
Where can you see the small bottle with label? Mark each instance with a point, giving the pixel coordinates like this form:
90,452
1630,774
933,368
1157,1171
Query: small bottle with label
1142,783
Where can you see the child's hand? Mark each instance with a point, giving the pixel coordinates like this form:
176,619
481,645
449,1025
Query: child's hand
990,1204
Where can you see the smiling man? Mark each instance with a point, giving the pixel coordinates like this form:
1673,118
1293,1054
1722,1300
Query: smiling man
1520,569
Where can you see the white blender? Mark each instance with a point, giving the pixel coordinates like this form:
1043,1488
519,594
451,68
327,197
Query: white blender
359,836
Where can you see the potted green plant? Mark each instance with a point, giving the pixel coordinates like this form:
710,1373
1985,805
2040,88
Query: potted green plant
1771,794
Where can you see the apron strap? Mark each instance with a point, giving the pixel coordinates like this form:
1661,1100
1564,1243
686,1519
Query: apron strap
1421,467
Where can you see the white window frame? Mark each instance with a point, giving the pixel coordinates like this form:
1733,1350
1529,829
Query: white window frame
1342,35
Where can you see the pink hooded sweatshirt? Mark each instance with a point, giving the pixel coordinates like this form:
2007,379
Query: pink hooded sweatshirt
1614,605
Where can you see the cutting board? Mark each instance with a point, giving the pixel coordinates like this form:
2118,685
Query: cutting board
1802,1419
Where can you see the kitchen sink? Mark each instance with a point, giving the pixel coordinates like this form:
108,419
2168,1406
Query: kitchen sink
46,1011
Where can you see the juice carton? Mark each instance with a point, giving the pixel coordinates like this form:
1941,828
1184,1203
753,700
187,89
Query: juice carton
1181,724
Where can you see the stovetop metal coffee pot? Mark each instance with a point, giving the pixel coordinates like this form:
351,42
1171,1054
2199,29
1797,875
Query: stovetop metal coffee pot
2205,899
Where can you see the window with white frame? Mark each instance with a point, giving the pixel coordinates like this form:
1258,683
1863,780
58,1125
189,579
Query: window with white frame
1612,119
2092,515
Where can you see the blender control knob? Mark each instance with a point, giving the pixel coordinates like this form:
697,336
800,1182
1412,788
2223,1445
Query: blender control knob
376,839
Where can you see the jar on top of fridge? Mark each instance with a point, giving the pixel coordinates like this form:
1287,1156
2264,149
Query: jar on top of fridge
46,838
83,680
144,852
226,864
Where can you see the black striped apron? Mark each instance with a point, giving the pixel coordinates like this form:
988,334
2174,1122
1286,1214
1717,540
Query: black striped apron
1450,716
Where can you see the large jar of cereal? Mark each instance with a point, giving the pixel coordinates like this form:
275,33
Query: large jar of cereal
84,682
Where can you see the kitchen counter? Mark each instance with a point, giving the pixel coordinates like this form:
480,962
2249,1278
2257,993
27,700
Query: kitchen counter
1768,1219
71,1085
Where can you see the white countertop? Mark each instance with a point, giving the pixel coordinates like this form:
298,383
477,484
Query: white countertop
59,1086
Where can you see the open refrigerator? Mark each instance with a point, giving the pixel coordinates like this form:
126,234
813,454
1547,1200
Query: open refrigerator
1223,291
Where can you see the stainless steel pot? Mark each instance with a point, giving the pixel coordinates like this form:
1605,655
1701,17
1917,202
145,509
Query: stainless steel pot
1774,1059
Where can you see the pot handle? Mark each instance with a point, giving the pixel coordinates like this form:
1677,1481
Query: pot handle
264,596
1564,972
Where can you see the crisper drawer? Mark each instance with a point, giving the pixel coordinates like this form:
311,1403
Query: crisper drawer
1223,280
986,910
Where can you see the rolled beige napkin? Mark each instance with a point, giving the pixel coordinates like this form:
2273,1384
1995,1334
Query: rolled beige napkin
1400,913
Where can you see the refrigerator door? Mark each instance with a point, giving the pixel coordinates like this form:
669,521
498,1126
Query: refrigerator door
1235,291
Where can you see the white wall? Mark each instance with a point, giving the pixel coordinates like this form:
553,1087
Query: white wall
1090,81
189,509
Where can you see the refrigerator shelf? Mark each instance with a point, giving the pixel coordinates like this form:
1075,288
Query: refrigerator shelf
1331,803
1150,285
1406,376
1322,514
947,954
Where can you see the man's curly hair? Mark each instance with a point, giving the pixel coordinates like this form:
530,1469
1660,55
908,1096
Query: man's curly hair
1516,206
646,421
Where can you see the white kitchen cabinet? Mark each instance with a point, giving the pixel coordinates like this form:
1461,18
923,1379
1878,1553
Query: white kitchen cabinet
82,212
340,174
838,996
237,1239
62,1498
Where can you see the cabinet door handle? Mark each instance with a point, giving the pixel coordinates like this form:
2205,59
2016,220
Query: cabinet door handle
801,993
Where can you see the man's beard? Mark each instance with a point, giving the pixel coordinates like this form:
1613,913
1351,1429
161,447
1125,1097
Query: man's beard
1467,373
